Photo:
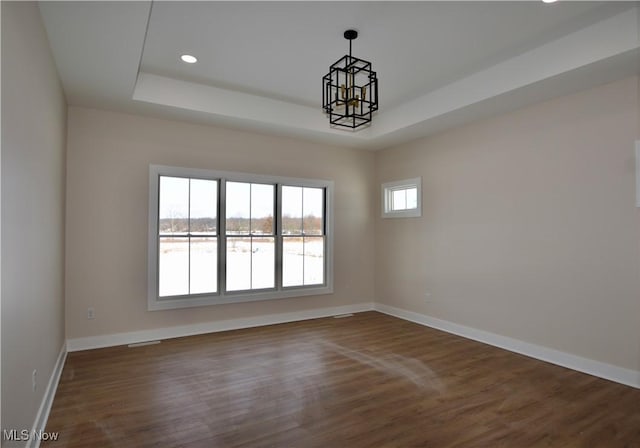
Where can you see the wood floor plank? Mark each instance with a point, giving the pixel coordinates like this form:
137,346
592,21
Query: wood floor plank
370,380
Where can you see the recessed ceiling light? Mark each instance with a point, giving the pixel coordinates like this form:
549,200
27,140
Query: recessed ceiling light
549,1
189,59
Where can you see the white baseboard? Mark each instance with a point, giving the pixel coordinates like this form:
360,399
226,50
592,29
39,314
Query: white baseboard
133,337
47,400
596,368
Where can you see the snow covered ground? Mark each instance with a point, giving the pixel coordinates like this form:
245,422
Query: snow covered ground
250,264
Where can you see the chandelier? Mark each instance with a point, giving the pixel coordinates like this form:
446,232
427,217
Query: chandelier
350,90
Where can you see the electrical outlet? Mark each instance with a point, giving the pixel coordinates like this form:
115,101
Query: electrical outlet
34,379
91,313
427,295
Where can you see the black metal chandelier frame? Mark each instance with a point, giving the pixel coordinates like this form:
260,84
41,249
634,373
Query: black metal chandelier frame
350,90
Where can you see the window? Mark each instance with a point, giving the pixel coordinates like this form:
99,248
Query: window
303,238
187,236
402,199
221,237
250,231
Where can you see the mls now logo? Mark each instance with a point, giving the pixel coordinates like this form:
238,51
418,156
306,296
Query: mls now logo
15,435
24,435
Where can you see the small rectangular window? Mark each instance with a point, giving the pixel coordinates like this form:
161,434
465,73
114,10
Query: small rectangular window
402,199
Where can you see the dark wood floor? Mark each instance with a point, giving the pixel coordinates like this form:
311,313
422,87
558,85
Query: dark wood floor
366,381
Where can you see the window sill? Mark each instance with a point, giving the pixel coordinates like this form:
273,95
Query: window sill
403,214
173,303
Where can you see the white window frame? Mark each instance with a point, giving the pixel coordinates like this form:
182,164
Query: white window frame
387,190
155,303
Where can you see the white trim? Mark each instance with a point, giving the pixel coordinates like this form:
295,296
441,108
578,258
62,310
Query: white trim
637,173
596,368
42,416
110,340
387,191
154,303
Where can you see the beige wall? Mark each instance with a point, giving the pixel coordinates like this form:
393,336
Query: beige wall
528,229
33,149
529,226
107,211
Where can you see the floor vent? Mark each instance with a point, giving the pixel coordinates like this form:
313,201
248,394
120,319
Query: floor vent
142,344
340,316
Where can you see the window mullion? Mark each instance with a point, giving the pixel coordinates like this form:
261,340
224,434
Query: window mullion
302,236
304,251
222,235
277,228
157,248
189,237
325,264
250,238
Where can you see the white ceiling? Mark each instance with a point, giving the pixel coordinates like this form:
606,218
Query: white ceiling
260,65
